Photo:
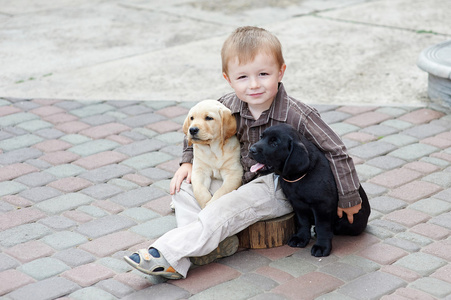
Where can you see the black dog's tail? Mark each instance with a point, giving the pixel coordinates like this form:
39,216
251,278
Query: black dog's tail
343,227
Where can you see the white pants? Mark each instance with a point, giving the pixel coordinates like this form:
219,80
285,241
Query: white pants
200,231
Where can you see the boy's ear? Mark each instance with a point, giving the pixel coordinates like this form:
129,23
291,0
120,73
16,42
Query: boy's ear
282,71
226,77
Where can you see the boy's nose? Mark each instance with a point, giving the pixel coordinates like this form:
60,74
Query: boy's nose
254,83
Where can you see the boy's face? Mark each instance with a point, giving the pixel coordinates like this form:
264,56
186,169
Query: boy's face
255,82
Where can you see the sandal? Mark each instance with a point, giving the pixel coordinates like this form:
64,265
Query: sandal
225,248
150,261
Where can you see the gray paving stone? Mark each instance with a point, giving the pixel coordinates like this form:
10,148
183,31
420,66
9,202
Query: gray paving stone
414,238
47,289
147,160
7,262
34,125
379,232
386,204
36,179
366,264
392,111
15,131
69,105
17,118
342,271
4,207
64,239
74,257
137,109
440,178
65,170
292,265
234,289
174,150
93,147
19,155
43,268
398,124
138,197
373,190
140,214
403,244
114,287
103,226
148,133
444,195
123,184
91,110
5,135
422,263
18,142
103,174
391,226
75,139
142,120
431,206
102,191
380,130
141,147
372,286
443,220
11,187
372,149
433,286
156,227
157,105
91,293
331,117
156,174
399,140
262,282
39,194
40,164
23,233
171,137
115,264
162,291
334,296
343,128
134,135
366,172
64,202
435,161
93,211
98,120
49,133
413,152
58,222
386,162
424,131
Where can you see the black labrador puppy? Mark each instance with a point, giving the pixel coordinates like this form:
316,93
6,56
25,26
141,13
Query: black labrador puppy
308,183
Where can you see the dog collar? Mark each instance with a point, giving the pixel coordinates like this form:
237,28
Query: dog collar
291,181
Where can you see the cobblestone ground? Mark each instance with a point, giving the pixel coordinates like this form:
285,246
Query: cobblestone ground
83,183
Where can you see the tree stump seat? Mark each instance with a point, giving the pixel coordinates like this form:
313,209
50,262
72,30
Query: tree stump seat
268,233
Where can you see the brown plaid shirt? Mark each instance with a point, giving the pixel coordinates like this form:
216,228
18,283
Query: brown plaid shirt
308,122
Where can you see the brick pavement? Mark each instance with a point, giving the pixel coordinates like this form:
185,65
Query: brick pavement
83,183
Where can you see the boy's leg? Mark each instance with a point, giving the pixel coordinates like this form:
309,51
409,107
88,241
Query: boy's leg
224,217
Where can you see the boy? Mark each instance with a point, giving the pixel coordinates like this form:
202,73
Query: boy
253,65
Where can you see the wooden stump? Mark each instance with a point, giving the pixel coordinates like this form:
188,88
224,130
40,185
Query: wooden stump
268,234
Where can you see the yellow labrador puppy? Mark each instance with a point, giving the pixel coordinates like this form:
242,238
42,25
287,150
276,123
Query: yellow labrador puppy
210,128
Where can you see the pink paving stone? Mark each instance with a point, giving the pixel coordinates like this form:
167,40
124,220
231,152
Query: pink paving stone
421,116
100,159
164,126
204,277
8,110
77,216
109,206
160,205
354,110
123,140
142,245
312,285
442,155
16,170
444,135
432,231
30,251
46,101
415,190
347,245
87,275
410,293
138,179
44,111
52,145
170,166
60,118
59,157
20,216
422,167
403,273
383,254
443,273
277,252
70,184
102,131
275,274
134,281
368,119
109,244
437,142
358,161
360,136
17,201
407,217
395,178
72,127
440,249
12,280
173,111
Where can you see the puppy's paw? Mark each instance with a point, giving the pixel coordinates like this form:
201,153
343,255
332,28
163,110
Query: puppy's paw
299,242
321,248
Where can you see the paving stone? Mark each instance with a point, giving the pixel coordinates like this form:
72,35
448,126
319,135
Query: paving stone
34,125
136,109
65,202
399,140
366,172
386,162
105,225
398,124
39,194
98,119
117,265
75,139
77,216
108,206
36,179
380,130
358,261
123,140
372,286
64,239
414,238
441,178
165,126
7,262
72,127
109,244
29,251
46,111
114,287
431,231
140,214
138,197
156,174
161,205
136,281
47,289
293,266
93,147
17,118
19,155
90,110
391,226
440,249
331,117
431,206
89,274
437,142
234,289
102,191
403,244
65,170
407,217
142,120
23,233
436,161
74,257
343,128
403,273
443,273
43,268
102,131
422,167
40,164
414,191
141,147
373,190
444,195
395,178
156,227
421,116
341,271
93,211
383,254
371,150
146,160
138,179
16,170
17,201
19,217
422,263
275,274
100,159
59,157
70,184
12,280
52,145
59,118
103,174
368,119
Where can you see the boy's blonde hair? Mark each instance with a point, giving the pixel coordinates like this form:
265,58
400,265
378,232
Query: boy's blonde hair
246,42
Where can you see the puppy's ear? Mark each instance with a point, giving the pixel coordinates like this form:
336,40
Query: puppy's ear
186,124
297,160
228,126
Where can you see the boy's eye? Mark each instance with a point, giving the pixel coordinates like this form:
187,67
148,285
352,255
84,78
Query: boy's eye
208,118
264,74
242,77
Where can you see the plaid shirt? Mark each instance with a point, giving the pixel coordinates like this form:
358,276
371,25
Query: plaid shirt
308,122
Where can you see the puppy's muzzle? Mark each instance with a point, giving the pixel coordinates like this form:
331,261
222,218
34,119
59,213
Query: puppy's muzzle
253,151
193,131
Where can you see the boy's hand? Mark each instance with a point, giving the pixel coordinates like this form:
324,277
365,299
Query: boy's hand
183,172
350,212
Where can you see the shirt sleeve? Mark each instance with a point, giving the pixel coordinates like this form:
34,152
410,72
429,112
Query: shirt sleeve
187,156
317,131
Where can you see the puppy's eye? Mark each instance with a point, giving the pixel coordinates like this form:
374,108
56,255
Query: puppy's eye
207,118
192,118
273,142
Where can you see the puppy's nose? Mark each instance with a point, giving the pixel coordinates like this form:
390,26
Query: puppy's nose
193,130
253,150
